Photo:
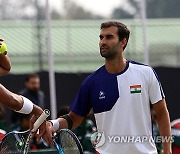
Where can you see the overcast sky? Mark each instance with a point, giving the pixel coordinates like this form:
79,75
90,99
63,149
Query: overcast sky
101,7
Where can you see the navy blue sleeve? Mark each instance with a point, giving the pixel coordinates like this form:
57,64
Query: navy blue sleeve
81,104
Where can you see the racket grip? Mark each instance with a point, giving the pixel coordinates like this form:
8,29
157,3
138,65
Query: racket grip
41,119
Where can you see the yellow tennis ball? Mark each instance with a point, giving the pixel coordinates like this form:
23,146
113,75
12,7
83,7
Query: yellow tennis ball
20,144
3,48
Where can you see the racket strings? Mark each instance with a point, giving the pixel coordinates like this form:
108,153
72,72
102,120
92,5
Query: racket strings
12,143
26,146
68,144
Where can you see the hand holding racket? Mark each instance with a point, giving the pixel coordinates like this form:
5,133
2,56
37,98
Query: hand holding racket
65,141
18,142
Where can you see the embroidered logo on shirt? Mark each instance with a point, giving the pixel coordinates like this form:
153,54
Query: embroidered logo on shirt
135,89
101,95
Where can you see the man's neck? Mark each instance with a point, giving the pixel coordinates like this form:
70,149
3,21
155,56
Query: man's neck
116,65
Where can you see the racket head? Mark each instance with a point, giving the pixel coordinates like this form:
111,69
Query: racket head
69,143
13,142
18,142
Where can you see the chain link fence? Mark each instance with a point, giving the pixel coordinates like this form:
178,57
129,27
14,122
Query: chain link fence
75,44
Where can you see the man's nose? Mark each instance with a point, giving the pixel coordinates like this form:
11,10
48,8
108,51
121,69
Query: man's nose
102,41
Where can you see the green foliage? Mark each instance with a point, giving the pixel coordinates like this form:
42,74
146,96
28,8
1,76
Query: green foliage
163,8
74,11
154,9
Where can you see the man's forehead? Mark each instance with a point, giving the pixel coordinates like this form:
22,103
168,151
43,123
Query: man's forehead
109,30
34,79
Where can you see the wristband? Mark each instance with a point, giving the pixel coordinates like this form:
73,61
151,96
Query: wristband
69,120
27,106
55,124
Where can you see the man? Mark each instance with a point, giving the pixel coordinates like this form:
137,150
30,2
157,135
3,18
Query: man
11,100
120,93
32,90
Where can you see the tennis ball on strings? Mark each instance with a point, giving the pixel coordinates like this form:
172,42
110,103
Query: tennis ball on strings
3,48
20,144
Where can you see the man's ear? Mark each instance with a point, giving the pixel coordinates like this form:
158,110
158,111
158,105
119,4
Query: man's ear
124,42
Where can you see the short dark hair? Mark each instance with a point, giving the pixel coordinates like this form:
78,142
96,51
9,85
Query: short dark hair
123,31
34,75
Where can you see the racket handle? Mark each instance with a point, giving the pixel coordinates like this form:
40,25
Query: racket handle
41,119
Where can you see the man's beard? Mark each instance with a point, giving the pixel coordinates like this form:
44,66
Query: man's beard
109,54
34,90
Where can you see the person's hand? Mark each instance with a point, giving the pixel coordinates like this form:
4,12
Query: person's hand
36,112
41,129
48,134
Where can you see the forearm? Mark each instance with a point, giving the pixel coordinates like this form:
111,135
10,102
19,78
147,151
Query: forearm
62,122
163,121
16,102
10,99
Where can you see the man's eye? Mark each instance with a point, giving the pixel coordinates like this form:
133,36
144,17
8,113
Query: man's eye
109,36
100,37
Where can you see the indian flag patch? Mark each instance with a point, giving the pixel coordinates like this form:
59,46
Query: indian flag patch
135,89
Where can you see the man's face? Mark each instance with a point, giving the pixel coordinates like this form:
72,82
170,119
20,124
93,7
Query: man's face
33,83
109,43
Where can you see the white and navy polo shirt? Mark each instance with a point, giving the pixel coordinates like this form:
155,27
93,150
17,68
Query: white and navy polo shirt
121,104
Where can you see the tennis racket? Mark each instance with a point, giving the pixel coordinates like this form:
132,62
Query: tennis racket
66,142
18,142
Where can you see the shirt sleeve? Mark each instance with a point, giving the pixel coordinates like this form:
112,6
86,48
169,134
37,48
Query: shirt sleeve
81,104
155,89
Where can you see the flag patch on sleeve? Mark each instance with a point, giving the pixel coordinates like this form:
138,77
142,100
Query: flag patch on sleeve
135,89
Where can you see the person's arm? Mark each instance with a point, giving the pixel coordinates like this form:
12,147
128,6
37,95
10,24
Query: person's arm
163,120
76,121
60,123
18,103
80,106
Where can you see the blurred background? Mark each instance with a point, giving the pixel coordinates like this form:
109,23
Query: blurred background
58,41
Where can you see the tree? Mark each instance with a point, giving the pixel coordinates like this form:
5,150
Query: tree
74,11
24,9
11,10
120,13
130,9
154,9
163,8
